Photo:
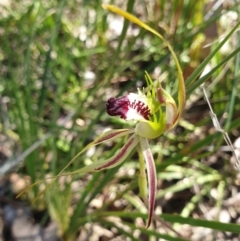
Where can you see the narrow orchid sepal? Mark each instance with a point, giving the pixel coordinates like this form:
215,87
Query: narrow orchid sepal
181,84
106,136
113,161
152,177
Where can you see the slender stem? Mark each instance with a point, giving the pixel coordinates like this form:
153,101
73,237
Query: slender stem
142,179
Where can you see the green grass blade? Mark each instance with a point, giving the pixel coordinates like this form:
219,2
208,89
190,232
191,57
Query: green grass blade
200,68
225,227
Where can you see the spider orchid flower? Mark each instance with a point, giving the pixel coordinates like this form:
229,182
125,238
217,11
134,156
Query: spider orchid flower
154,112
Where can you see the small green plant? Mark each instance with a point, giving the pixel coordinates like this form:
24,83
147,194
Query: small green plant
54,110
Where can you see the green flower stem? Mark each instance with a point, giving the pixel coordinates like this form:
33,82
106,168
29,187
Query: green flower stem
142,179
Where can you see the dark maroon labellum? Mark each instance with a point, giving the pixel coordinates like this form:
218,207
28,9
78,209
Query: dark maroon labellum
120,107
141,108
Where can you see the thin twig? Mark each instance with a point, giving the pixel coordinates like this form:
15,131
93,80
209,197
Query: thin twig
217,125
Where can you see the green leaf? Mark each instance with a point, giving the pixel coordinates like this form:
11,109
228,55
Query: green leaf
225,227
